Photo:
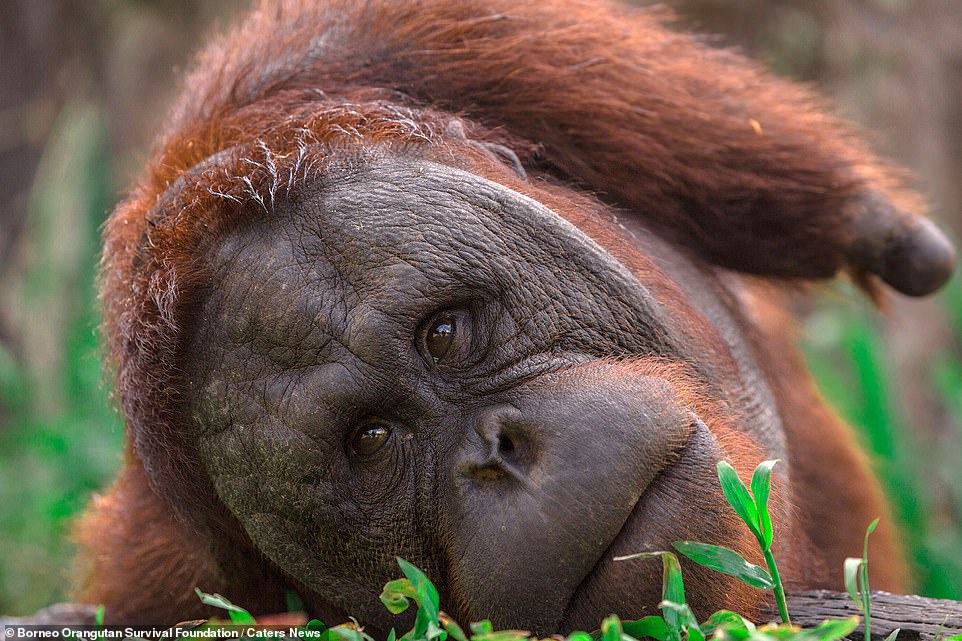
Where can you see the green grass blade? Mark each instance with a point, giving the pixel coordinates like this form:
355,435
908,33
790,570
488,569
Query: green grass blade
864,590
829,630
452,628
738,497
672,591
482,628
236,613
893,635
726,561
651,627
672,588
850,571
682,611
502,635
761,490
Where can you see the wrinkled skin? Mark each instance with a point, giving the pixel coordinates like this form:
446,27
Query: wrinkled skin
515,466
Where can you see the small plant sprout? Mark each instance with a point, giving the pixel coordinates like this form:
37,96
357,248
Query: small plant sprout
678,617
752,508
856,582
678,623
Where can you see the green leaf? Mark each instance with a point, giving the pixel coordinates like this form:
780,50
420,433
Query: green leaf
99,617
502,635
761,489
850,571
772,632
426,623
582,636
895,633
452,628
344,632
735,634
680,618
728,621
685,615
315,625
726,561
396,594
241,616
828,630
392,635
738,497
695,634
480,628
422,587
653,627
293,601
957,637
236,613
672,587
611,628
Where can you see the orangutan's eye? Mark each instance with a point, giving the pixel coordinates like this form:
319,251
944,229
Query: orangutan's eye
445,339
440,337
370,436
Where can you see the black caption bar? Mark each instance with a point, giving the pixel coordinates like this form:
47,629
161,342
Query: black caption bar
207,632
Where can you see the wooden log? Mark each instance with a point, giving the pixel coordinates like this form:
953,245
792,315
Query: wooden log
56,614
920,618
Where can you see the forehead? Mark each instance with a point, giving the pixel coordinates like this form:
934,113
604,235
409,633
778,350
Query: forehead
440,220
400,235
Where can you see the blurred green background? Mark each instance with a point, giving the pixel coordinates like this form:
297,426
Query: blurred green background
85,83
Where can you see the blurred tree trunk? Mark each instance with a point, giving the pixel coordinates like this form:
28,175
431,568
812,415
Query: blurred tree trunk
73,69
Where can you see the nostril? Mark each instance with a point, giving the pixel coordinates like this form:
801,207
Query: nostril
505,444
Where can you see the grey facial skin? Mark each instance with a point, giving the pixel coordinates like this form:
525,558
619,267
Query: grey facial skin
410,360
